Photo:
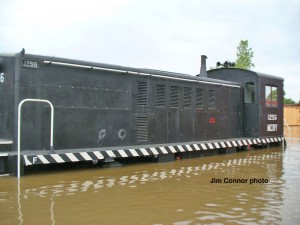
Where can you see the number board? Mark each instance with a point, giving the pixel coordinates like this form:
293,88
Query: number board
31,64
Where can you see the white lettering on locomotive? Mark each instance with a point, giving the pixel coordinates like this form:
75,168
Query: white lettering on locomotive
272,117
272,127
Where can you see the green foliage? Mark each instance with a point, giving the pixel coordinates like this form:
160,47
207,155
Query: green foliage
289,101
244,56
272,95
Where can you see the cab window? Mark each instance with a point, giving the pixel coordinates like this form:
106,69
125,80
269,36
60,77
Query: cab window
271,96
249,92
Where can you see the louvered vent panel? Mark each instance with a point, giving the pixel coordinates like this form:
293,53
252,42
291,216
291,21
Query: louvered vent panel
142,128
187,97
160,95
174,96
199,98
212,99
142,94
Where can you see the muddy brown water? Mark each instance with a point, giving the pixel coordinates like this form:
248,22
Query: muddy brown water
250,187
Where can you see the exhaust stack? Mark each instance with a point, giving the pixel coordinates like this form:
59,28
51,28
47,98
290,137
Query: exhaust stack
203,72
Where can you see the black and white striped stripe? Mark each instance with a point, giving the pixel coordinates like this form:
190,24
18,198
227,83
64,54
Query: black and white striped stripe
142,151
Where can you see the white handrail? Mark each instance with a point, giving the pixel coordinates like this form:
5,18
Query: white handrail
19,126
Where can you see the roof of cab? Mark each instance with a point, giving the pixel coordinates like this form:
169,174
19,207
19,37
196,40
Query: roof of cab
251,72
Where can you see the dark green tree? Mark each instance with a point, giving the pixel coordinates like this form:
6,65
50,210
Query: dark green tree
288,100
244,56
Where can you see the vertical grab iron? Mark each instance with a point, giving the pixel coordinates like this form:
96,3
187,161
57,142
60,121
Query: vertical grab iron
19,126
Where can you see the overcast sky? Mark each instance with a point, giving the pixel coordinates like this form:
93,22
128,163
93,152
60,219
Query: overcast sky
168,35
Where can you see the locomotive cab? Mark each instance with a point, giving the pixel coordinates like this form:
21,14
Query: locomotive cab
262,102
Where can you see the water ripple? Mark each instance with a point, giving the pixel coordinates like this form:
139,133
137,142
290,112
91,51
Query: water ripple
172,193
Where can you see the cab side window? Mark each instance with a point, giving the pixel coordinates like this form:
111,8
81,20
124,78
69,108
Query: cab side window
249,92
271,96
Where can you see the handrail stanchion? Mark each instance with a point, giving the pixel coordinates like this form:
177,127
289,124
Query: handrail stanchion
19,127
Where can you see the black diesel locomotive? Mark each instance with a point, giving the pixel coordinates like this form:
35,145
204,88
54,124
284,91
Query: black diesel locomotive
55,110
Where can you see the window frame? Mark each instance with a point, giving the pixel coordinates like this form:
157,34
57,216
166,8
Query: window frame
270,100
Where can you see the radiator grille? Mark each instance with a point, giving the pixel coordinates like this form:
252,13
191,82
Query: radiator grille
142,128
187,97
142,94
199,98
160,95
174,96
212,99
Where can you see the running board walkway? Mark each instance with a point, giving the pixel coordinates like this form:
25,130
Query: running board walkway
142,151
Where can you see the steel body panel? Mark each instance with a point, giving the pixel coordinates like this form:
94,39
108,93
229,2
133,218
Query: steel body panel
271,115
6,97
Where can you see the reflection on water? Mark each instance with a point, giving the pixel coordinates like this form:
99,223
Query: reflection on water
292,132
179,192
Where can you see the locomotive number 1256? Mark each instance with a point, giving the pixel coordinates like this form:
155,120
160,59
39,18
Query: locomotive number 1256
272,117
30,64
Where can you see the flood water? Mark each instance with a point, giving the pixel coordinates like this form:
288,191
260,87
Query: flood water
178,192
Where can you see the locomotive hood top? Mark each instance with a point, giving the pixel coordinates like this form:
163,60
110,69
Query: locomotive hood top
31,60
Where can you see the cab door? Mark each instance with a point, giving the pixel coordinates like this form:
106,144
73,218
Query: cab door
250,107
